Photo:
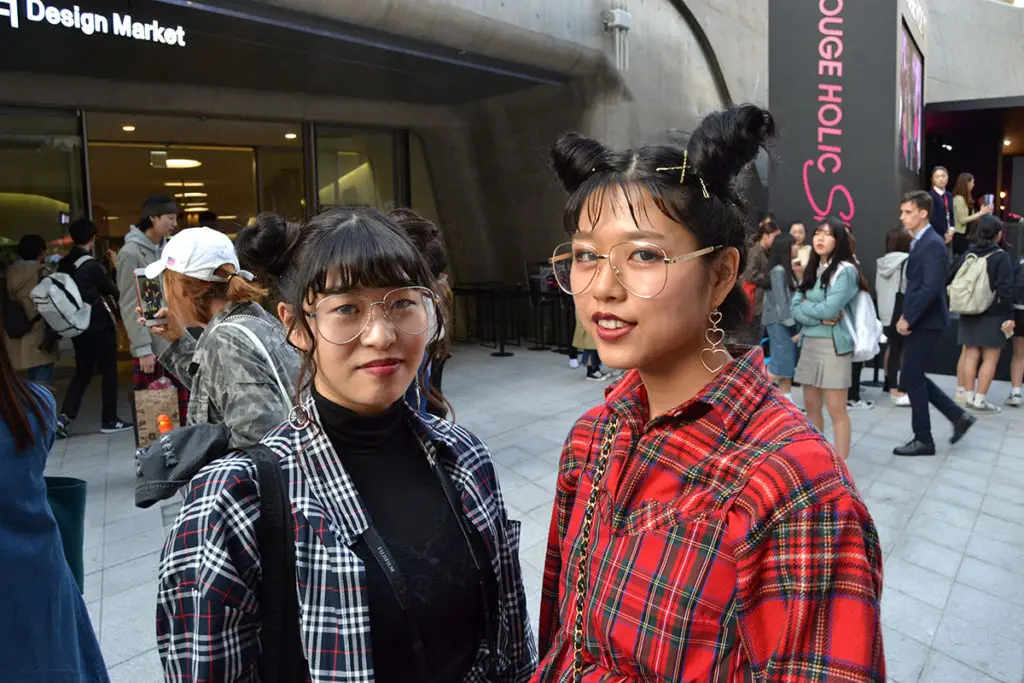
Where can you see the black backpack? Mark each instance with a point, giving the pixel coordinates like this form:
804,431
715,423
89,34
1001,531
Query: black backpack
16,322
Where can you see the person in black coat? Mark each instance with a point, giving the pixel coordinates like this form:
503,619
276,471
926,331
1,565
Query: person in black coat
925,315
982,335
942,202
96,348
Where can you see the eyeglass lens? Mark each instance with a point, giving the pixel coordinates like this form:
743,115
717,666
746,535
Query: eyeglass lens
639,267
341,318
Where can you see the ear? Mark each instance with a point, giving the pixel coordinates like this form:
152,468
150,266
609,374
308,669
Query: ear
724,275
297,337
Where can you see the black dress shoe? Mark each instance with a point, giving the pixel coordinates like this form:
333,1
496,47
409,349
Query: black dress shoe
961,426
915,447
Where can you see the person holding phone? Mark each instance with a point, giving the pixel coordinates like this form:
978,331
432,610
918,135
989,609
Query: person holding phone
241,371
142,246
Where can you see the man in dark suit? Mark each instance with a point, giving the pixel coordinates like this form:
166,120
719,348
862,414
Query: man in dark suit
924,317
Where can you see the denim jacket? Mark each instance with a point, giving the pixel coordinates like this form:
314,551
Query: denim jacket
819,304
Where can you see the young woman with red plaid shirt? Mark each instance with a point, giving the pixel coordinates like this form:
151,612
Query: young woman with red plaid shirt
702,530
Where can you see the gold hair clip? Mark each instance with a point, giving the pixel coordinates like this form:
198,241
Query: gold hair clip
682,173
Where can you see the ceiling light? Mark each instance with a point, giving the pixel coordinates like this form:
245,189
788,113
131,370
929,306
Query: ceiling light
178,183
199,208
947,147
181,195
227,218
1002,208
128,128
183,163
290,136
1006,142
1002,195
113,218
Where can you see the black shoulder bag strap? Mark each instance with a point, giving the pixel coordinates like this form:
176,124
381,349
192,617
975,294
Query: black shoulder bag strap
282,659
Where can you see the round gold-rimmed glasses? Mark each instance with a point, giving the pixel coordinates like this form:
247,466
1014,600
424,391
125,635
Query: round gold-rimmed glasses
640,267
341,318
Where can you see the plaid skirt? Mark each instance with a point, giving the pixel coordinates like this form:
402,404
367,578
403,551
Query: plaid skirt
143,380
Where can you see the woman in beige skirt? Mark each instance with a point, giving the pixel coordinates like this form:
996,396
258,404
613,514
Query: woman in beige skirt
825,368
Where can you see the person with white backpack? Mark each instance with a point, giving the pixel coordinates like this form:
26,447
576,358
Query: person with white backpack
95,341
241,371
981,292
832,281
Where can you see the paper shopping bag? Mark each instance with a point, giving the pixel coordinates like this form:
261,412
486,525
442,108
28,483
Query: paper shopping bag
149,405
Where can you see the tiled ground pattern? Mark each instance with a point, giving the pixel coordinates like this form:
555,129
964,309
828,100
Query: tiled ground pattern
952,526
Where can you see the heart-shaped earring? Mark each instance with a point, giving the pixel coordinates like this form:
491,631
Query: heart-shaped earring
709,356
714,357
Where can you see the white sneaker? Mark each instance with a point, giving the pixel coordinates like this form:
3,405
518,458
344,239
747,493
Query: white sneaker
900,401
597,376
984,408
1014,401
574,363
960,398
860,405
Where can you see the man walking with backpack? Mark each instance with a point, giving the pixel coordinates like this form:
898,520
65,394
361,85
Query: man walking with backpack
96,348
924,317
30,342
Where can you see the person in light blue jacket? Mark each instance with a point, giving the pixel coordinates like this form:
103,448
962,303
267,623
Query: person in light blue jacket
831,281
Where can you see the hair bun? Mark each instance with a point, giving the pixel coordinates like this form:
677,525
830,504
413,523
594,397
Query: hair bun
266,246
574,157
727,141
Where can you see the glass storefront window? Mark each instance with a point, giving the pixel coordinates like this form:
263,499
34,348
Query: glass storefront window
281,181
41,175
124,174
421,185
355,168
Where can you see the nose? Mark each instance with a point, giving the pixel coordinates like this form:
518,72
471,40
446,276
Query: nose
606,285
379,332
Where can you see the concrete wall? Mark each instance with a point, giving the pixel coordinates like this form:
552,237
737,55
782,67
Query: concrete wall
975,48
499,204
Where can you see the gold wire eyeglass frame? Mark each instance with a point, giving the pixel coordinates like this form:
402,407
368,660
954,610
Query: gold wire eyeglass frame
428,294
557,258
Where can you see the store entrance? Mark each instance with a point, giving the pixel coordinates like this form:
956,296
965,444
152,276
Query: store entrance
211,167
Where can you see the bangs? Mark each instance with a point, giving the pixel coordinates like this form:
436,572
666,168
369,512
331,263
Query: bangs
614,190
365,251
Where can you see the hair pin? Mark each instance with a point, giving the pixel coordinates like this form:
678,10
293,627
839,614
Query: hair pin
682,173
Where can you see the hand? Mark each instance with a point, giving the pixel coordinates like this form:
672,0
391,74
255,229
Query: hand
987,209
796,338
902,327
831,322
148,364
1009,326
172,331
949,236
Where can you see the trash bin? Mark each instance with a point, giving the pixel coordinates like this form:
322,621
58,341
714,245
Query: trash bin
66,496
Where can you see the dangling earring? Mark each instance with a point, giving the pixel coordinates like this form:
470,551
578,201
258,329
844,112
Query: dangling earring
714,357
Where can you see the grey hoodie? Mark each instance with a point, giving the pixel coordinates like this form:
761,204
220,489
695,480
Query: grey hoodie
138,252
890,278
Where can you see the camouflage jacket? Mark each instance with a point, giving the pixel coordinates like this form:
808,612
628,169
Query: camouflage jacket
229,377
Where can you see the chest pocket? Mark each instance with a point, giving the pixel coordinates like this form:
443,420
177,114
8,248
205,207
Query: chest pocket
661,594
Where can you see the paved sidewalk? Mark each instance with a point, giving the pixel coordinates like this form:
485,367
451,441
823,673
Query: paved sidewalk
952,526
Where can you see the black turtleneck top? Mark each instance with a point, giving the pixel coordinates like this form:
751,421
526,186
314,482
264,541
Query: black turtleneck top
408,507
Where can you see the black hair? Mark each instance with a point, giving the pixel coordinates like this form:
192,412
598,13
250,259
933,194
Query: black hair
207,218
919,198
781,254
340,249
30,247
842,252
986,230
82,231
259,245
797,222
425,235
154,202
18,403
719,150
768,227
898,239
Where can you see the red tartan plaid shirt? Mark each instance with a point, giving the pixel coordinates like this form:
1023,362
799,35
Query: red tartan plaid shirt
729,544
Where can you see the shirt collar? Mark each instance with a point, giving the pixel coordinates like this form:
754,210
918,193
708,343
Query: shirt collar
919,235
728,400
937,190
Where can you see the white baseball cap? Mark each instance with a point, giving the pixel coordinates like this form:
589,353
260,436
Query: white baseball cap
198,253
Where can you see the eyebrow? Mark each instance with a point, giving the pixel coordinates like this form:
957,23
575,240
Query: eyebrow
634,234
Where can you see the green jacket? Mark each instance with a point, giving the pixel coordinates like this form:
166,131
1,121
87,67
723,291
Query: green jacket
819,304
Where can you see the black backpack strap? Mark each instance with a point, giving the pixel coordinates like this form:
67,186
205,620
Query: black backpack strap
282,659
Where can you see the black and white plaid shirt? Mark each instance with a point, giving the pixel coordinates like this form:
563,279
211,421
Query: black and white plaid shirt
207,611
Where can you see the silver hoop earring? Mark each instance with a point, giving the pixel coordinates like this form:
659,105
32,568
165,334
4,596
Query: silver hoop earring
714,356
298,418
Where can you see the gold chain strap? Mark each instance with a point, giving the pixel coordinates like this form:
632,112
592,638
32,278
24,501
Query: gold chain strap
588,522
